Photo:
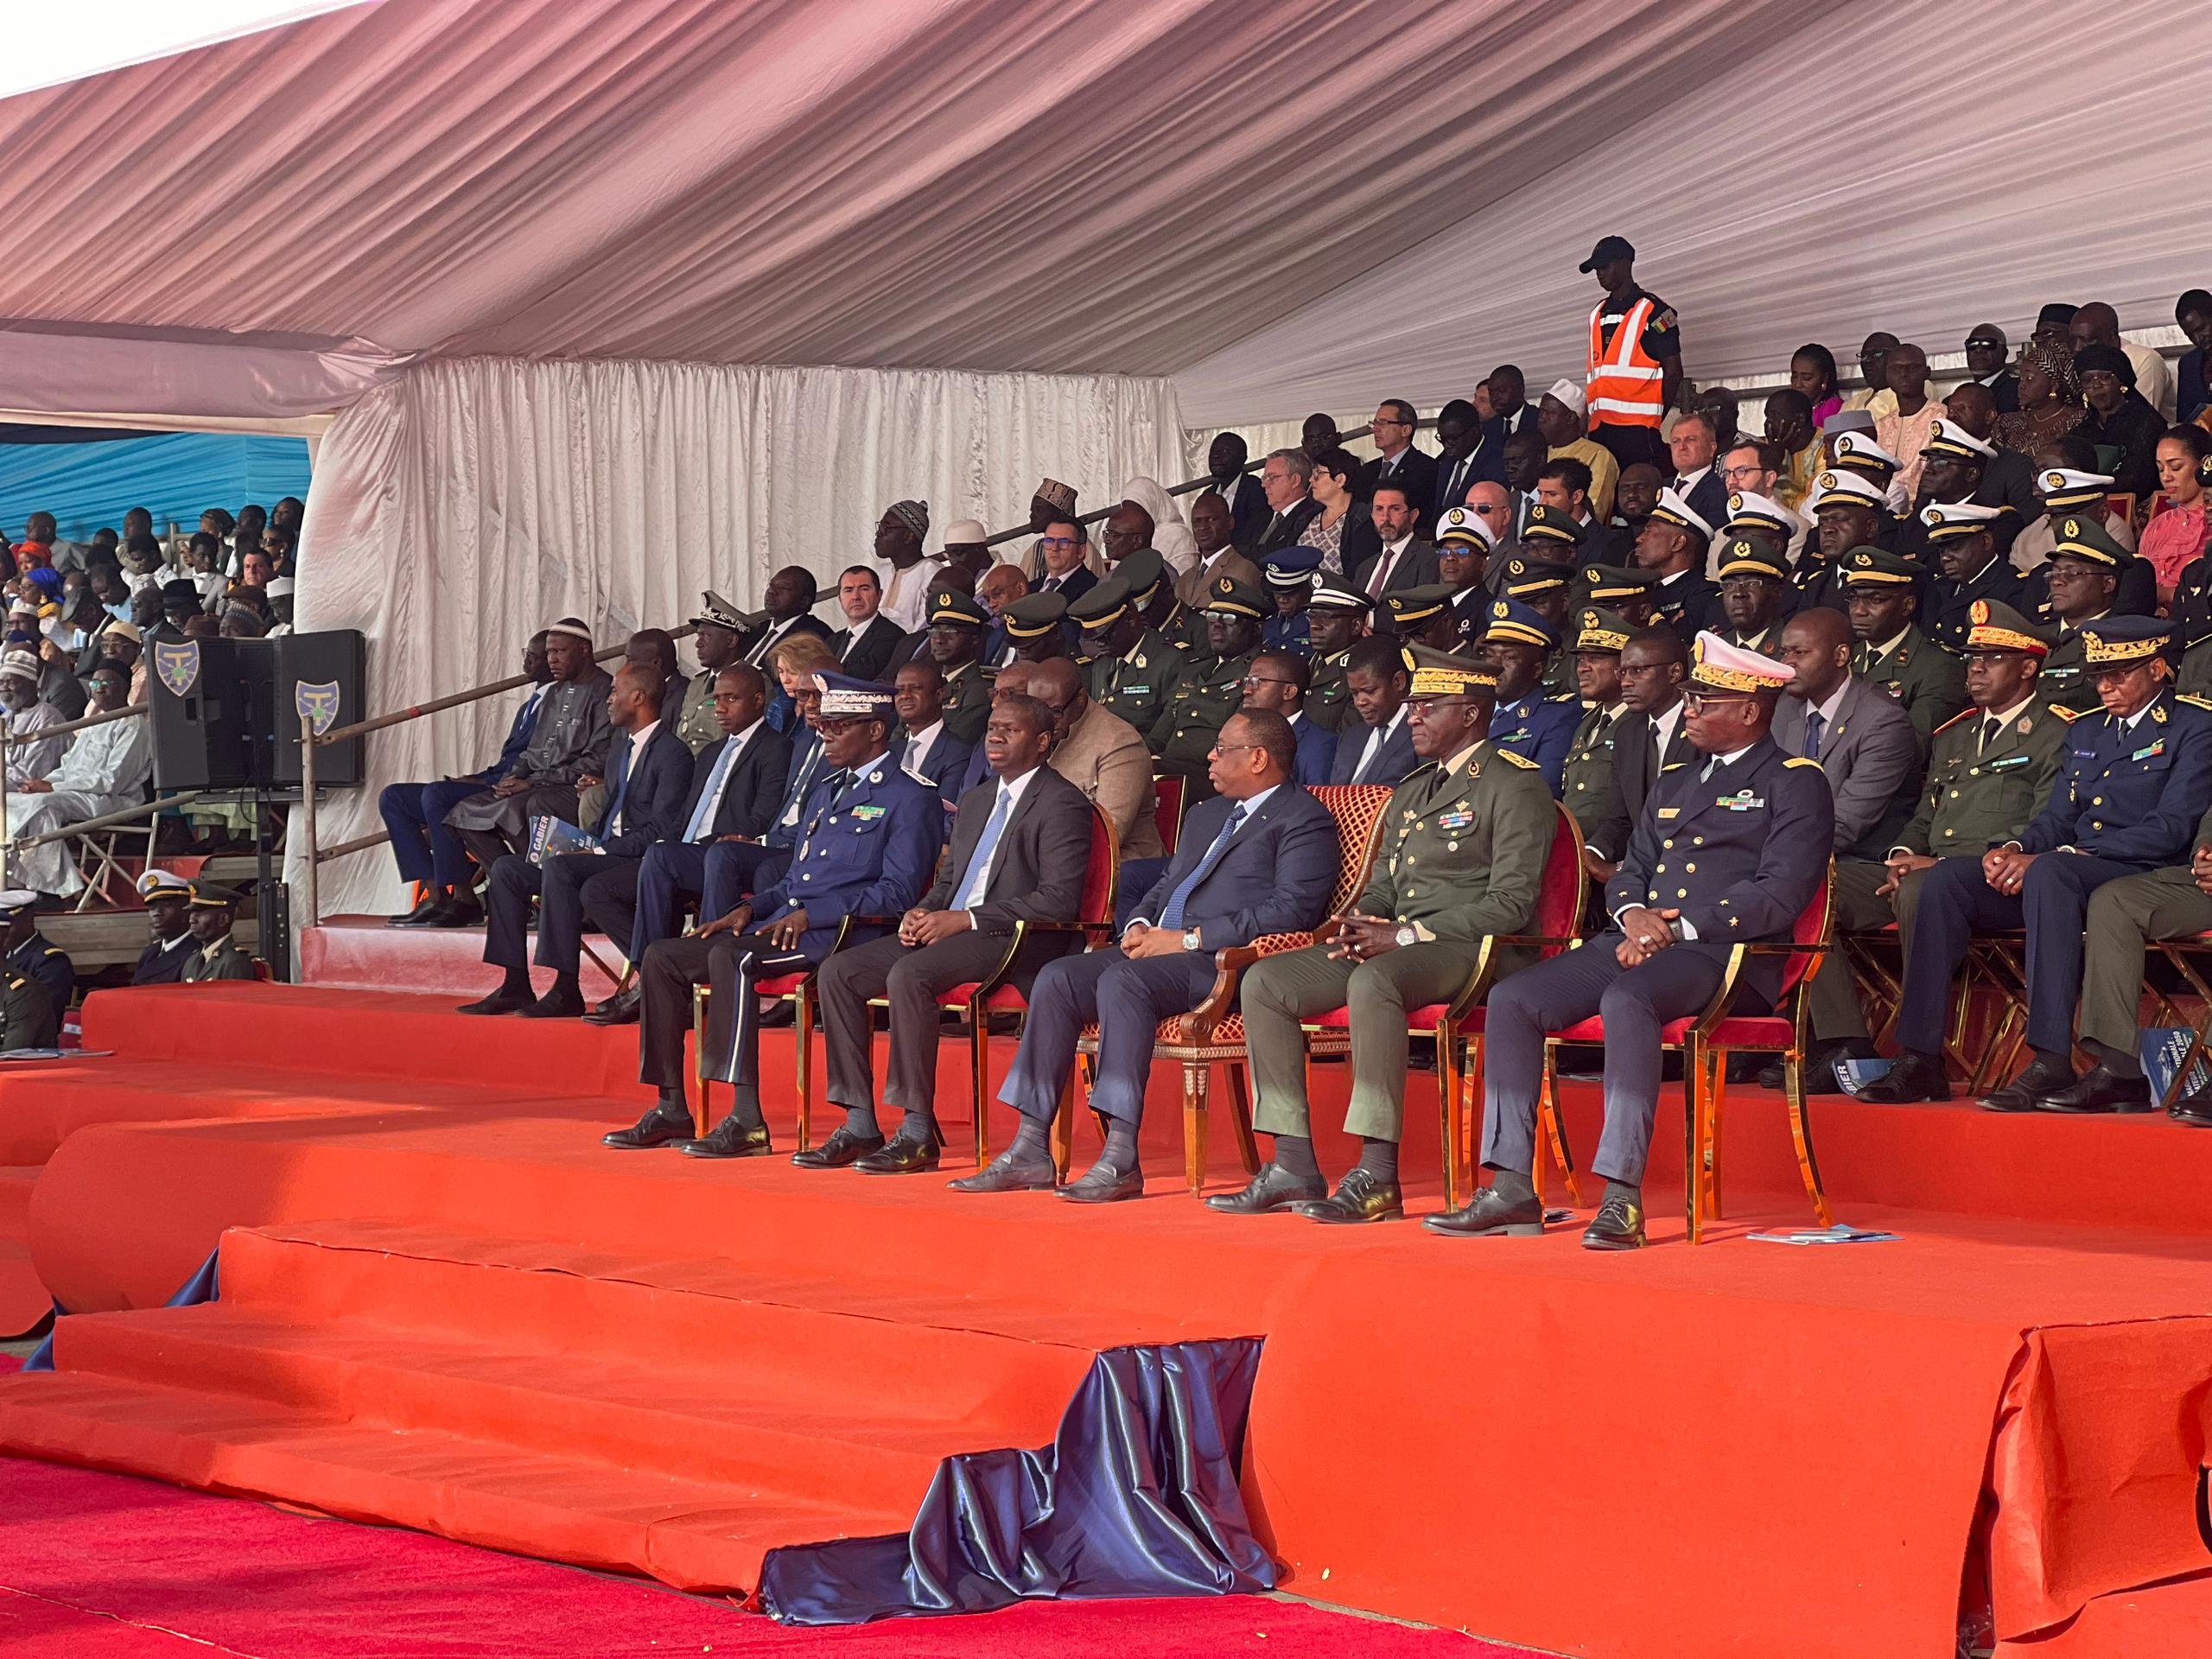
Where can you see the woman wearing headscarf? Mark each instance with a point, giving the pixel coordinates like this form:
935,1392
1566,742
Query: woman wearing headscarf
1170,537
2050,403
2120,418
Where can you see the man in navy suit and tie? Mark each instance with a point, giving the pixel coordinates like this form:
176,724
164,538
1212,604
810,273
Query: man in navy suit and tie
1062,547
926,748
737,784
427,852
1278,682
648,775
870,842
1377,747
1021,850
1257,857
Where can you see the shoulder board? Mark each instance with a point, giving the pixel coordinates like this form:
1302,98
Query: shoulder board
1564,696
1957,720
918,776
1521,760
1673,765
1800,760
52,950
2190,696
17,981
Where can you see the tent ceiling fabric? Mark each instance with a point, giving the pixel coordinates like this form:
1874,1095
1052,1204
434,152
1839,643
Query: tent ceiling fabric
1054,186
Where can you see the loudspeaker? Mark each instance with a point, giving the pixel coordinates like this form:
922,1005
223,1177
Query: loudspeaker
320,674
227,712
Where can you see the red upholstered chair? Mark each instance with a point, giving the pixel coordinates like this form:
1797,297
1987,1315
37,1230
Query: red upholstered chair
1170,795
1705,1041
1459,1088
797,989
2121,507
1213,1033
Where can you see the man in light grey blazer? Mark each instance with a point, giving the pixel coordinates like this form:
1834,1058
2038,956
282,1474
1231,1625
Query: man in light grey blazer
1869,752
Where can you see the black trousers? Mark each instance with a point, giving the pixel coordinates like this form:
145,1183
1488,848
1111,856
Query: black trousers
561,888
730,965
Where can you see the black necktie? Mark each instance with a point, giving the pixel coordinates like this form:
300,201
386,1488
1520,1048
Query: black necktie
1651,754
1991,724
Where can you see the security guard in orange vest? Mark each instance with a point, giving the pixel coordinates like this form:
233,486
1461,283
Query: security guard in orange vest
1636,359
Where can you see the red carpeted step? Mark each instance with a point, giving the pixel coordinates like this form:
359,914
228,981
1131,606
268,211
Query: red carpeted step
363,953
695,1535
23,1299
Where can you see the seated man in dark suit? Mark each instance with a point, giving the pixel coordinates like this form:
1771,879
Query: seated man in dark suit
737,784
787,605
1021,849
1278,683
926,748
429,854
1383,549
1257,857
1400,462
649,772
1062,549
871,839
1376,747
864,645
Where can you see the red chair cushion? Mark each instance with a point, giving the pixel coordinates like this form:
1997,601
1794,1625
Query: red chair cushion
780,984
1422,1021
1739,1031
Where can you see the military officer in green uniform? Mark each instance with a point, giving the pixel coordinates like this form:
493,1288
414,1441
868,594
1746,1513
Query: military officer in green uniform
1211,686
209,913
956,621
2081,579
1424,616
1464,838
1543,586
1881,594
1336,620
1631,594
1599,640
1754,589
1554,536
1128,669
718,638
1989,772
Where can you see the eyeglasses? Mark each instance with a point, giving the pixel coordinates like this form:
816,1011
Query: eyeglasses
1060,541
1251,680
1232,748
1748,469
1699,702
1985,346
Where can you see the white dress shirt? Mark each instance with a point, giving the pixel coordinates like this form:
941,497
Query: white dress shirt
1385,562
731,756
1010,791
1376,737
639,739
921,744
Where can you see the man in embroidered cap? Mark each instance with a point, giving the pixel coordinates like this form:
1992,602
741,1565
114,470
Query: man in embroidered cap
2136,782
1464,839
29,756
169,942
1891,654
1989,773
106,771
1672,544
1335,620
566,752
1731,848
429,854
1960,538
903,565
1053,499
1528,721
867,847
966,549
1560,418
211,912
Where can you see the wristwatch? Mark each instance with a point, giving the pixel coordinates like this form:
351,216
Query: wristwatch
1408,935
1190,939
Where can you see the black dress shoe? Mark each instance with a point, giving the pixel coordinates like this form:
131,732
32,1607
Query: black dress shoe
457,913
1007,1174
2194,1111
2099,1090
655,1128
432,898
1360,1197
1492,1216
1618,1225
1102,1184
1273,1188
2021,1094
500,1001
730,1139
555,1005
620,1010
1914,1077
899,1156
1821,1077
842,1148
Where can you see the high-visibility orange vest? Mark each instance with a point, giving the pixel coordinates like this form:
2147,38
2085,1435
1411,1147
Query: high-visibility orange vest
1626,384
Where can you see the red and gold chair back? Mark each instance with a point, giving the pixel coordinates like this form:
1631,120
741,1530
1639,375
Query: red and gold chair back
1169,796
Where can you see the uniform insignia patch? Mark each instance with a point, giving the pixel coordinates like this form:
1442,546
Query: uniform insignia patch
1458,820
868,814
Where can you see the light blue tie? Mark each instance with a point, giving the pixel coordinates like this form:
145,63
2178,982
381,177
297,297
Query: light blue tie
972,886
710,797
1815,725
1171,915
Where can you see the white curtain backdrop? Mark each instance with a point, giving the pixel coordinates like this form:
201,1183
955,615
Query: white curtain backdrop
464,506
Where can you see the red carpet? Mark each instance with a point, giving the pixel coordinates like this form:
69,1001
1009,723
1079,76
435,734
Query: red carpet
2170,1621
1578,1448
94,1565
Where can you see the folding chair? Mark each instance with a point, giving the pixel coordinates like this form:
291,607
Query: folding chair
1704,1042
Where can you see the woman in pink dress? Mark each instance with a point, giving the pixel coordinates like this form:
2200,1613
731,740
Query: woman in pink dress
2176,536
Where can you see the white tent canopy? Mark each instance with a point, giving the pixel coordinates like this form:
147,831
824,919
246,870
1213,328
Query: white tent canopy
615,300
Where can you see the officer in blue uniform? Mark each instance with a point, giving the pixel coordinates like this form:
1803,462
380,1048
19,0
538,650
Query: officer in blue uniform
2136,780
1531,722
1731,848
868,847
1290,579
29,952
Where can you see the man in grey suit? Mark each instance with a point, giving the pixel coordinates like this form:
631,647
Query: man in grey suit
1258,857
1020,848
1870,753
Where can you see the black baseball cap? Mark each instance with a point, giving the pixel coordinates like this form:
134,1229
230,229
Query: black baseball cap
1609,249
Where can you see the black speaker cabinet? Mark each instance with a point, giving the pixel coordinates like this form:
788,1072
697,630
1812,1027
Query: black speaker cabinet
227,712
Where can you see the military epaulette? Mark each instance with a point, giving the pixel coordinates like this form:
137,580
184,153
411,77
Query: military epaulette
1519,759
1800,760
1673,765
52,950
1563,696
1957,719
918,776
16,982
2190,696
2063,713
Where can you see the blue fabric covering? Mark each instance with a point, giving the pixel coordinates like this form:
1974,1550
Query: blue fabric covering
1137,1495
200,1288
177,476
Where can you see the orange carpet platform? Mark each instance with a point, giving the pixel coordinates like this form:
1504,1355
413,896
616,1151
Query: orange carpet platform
445,1305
